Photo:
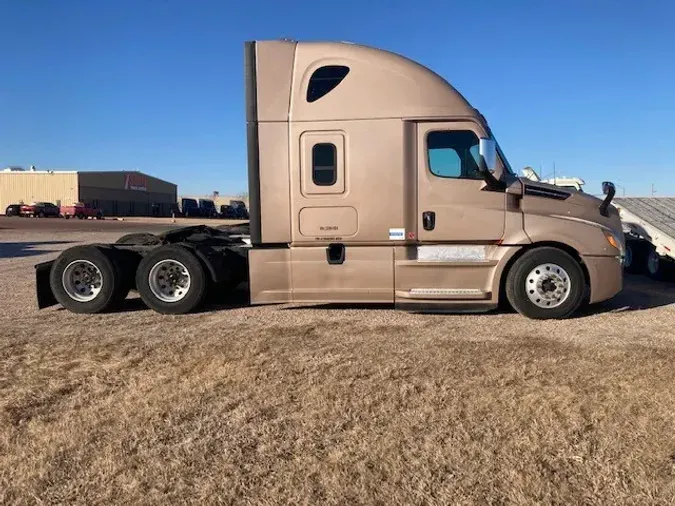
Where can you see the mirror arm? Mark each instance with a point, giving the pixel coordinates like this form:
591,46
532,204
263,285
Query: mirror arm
492,182
610,191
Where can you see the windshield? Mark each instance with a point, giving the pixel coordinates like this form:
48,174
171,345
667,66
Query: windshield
501,155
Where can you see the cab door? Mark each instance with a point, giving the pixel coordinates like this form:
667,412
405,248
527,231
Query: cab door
454,203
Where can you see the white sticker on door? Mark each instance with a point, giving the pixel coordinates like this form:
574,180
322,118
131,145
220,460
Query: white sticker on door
396,234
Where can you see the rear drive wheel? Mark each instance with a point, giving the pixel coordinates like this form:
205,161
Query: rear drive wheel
545,283
87,279
171,280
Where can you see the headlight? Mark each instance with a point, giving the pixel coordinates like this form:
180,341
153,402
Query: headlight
614,241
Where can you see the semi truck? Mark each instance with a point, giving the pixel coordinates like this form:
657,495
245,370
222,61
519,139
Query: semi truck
371,180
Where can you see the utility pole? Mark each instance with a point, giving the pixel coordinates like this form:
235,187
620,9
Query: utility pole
554,179
653,190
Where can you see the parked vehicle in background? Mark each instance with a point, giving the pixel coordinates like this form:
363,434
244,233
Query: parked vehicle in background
572,183
228,212
40,209
81,211
189,208
207,208
241,213
13,210
330,126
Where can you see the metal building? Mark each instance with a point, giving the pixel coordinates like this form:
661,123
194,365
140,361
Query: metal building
117,193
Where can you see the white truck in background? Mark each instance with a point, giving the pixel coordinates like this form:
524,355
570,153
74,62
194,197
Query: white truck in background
573,183
648,226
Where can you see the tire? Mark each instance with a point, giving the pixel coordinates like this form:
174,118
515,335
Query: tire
66,216
99,216
158,264
635,261
545,303
138,238
80,216
656,266
65,276
41,214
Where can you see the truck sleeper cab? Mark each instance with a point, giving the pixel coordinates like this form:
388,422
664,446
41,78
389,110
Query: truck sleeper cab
368,183
371,180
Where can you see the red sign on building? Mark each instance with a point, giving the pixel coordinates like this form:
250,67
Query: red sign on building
135,181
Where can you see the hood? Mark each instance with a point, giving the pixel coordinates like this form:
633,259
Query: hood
553,200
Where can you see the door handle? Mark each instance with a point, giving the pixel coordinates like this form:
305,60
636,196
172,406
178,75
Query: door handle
428,220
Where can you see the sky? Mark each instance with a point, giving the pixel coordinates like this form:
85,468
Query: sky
157,85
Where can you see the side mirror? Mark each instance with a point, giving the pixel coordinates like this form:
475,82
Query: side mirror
487,148
608,189
487,163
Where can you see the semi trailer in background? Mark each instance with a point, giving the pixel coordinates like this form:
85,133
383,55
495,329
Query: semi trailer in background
371,180
649,228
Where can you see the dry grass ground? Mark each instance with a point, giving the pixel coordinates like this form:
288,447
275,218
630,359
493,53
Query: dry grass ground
274,405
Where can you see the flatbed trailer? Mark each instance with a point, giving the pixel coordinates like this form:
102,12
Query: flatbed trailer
649,228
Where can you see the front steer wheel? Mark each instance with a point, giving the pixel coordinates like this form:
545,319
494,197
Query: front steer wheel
545,283
171,280
88,279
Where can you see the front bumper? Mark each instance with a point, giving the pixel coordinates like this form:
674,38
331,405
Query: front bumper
605,276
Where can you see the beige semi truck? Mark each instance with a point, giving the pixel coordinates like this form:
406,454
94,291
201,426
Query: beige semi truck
371,180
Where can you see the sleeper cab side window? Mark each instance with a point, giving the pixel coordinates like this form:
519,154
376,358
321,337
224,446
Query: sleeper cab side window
324,80
324,164
453,154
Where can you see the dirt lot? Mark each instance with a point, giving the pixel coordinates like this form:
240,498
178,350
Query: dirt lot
279,405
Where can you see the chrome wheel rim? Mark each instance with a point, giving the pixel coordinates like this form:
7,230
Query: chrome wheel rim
653,262
169,280
547,286
82,280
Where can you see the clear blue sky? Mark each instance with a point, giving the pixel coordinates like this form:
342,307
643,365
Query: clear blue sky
157,85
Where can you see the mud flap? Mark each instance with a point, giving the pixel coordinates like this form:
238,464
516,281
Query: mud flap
45,297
